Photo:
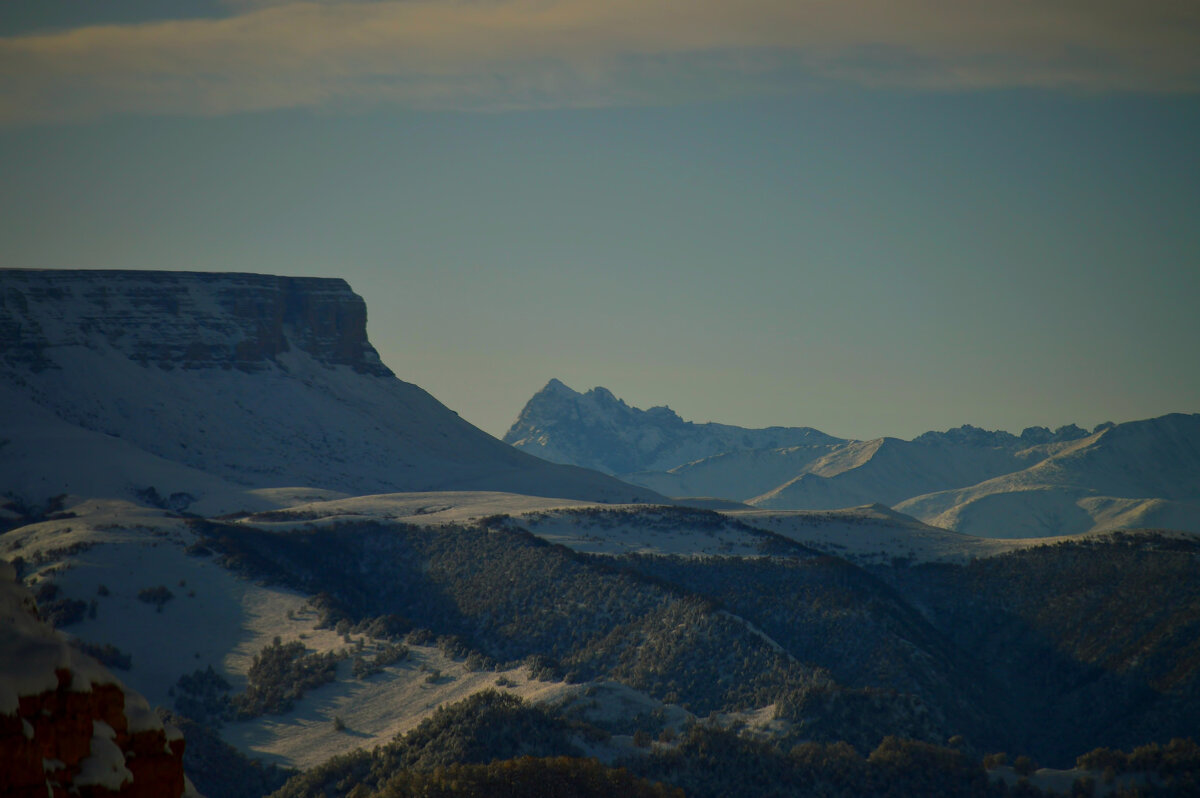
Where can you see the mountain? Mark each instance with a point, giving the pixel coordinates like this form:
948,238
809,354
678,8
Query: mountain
1041,483
1133,475
845,474
598,430
194,387
889,470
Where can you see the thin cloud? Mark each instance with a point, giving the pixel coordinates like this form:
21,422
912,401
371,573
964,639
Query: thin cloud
512,54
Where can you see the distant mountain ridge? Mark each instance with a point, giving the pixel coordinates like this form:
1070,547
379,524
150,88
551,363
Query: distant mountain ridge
196,383
993,483
1133,475
597,430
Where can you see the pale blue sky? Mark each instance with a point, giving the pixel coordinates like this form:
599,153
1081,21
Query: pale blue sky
756,231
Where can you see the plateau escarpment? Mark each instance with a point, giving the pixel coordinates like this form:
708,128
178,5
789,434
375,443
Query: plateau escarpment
183,320
201,385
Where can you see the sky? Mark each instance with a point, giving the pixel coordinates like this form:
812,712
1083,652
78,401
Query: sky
869,217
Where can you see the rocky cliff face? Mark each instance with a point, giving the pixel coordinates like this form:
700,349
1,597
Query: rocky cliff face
183,319
67,726
598,430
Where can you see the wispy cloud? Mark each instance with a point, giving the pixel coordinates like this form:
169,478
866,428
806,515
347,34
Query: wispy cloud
502,54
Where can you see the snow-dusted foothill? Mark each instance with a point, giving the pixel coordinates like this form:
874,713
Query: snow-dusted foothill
106,552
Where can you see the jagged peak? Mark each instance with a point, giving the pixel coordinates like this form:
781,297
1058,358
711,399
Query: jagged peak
604,395
557,387
600,430
971,435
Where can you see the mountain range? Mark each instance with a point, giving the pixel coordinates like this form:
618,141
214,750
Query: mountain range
992,483
331,585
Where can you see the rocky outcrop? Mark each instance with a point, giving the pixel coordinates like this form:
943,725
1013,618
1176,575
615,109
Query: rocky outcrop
184,320
67,726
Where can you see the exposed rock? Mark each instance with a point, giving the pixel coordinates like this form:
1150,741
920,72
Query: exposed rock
183,319
67,724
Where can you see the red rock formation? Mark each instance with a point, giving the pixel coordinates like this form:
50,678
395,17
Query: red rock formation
66,724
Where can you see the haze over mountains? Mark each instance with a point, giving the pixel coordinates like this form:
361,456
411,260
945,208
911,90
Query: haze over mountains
212,485
1131,475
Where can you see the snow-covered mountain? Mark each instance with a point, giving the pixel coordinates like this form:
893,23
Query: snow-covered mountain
1141,474
983,482
889,470
195,385
598,430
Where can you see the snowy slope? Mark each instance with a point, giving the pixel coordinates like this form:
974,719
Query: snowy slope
257,381
738,475
105,552
58,697
849,473
221,620
41,456
1138,474
889,470
586,527
871,534
876,535
446,507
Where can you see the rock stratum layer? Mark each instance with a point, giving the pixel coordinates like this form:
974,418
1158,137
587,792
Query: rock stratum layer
67,726
183,320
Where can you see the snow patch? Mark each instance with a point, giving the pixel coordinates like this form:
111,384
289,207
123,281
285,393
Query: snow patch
105,766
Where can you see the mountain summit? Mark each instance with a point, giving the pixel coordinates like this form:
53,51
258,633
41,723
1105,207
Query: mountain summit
195,384
598,430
